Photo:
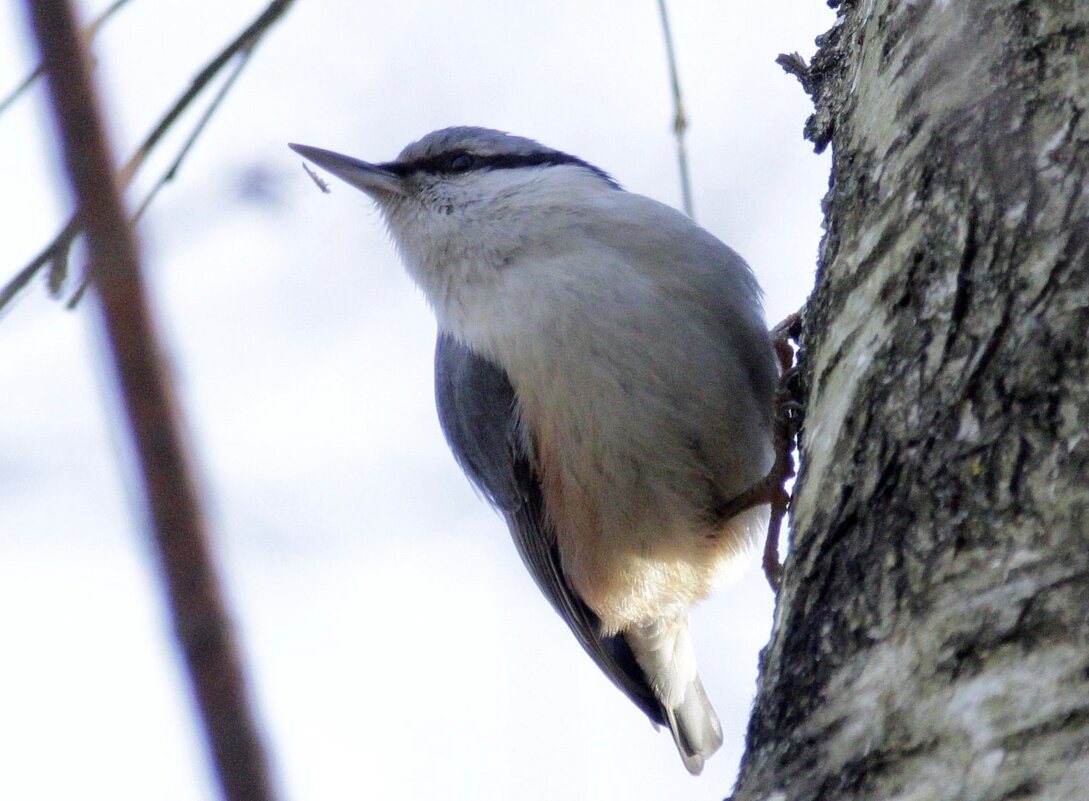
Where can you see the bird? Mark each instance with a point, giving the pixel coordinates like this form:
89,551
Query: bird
605,378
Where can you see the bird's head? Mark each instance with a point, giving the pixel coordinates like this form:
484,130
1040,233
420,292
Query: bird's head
469,195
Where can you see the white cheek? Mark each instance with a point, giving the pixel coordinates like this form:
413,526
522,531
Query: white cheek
465,237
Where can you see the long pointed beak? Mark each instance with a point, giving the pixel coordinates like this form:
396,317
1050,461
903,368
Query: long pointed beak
376,181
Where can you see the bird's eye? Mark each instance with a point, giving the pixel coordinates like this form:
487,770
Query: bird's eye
461,162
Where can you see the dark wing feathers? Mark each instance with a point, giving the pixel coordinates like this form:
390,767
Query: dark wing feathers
478,412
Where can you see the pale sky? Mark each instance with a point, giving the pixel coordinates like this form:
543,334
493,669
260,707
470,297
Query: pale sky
398,648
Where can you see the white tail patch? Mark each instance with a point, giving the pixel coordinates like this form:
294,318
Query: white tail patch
663,650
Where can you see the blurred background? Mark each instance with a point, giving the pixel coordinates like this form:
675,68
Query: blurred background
397,646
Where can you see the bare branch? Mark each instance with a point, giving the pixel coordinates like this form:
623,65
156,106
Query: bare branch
680,121
55,252
88,33
247,40
243,44
172,171
201,622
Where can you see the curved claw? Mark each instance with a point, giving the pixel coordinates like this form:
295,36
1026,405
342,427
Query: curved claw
788,416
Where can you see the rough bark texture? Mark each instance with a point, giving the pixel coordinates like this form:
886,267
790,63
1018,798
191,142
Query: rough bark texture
932,635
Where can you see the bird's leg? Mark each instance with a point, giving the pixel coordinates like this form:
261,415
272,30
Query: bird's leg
788,419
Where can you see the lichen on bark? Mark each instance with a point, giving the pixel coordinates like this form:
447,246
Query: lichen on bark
932,635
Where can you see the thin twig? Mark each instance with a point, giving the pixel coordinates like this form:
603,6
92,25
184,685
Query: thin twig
246,40
243,59
21,88
680,121
88,33
244,56
201,623
55,251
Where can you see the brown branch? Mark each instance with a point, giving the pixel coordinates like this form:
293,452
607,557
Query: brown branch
244,43
201,623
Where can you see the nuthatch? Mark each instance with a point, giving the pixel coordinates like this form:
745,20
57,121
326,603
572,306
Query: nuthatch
604,377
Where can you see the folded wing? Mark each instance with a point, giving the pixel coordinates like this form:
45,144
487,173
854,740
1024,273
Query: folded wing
479,414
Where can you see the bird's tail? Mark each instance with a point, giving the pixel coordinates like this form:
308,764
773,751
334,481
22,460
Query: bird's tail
663,650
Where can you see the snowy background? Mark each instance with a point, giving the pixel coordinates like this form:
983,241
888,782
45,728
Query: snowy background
398,648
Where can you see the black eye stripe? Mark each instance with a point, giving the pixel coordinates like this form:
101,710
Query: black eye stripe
462,161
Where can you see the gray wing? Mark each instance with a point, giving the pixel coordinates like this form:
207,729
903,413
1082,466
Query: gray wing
478,412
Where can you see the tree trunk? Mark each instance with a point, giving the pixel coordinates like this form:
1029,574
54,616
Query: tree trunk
932,635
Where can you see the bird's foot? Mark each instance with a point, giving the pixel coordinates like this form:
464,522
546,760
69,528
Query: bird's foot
788,420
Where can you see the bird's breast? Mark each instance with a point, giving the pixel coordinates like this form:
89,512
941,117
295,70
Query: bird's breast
614,380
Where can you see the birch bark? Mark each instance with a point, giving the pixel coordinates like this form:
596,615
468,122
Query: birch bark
932,634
